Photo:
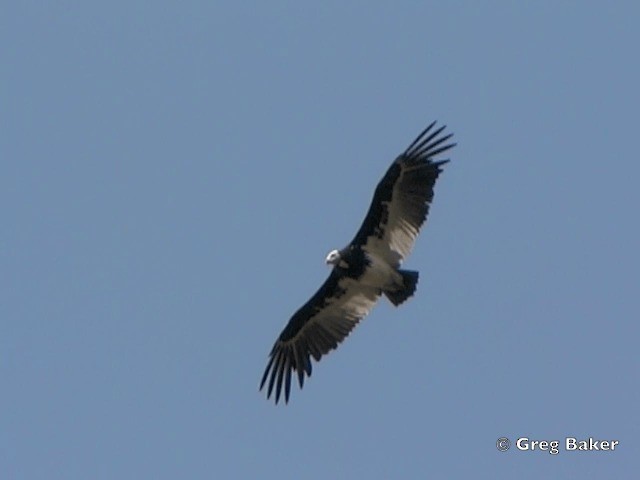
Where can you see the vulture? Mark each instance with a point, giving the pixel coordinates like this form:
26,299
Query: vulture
366,269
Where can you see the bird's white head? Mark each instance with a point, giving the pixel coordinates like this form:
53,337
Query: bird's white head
333,258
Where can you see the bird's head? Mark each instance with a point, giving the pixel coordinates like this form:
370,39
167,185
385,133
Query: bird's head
333,258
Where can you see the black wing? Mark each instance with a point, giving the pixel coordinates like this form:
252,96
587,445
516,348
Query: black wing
316,329
401,201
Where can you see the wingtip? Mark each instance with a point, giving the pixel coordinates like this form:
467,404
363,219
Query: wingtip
422,134
428,140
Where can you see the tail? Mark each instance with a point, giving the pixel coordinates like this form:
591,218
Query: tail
401,292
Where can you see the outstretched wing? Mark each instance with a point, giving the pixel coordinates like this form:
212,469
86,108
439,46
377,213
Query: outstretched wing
401,201
316,329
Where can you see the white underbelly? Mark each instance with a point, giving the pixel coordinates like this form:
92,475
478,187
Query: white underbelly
380,274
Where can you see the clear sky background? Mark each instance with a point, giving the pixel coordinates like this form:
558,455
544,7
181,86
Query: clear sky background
172,175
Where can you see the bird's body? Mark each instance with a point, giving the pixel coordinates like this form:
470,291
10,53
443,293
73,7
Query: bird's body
380,274
364,270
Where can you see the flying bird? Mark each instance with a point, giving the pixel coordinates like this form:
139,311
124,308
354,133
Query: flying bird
366,268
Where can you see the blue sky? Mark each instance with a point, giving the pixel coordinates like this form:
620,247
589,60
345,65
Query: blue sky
173,175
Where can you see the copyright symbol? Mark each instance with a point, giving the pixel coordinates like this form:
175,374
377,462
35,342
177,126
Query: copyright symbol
503,444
